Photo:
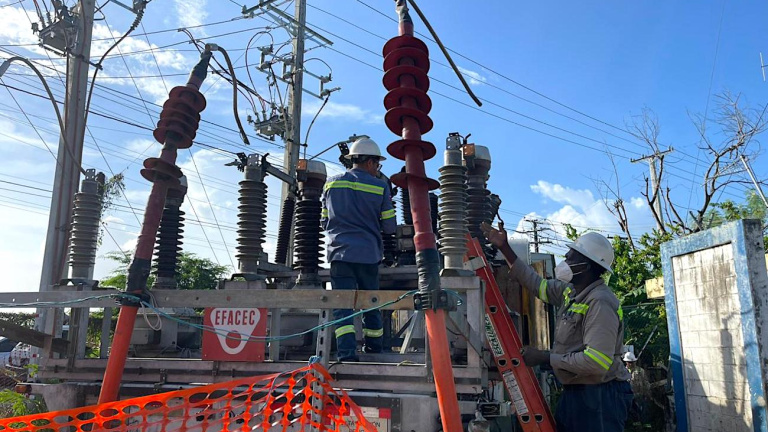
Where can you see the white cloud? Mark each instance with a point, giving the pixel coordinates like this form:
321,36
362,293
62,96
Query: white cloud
475,78
110,218
10,135
16,27
579,208
190,13
28,229
563,194
347,112
140,146
129,245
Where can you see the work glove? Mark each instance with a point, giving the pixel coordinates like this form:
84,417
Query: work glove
534,357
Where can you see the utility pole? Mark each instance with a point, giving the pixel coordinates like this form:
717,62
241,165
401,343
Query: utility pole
285,121
654,182
293,141
754,179
67,177
535,231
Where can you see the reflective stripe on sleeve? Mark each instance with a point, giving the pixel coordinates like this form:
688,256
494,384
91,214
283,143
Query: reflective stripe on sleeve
543,291
341,331
603,360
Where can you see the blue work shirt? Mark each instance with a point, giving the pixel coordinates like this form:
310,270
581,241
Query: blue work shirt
357,208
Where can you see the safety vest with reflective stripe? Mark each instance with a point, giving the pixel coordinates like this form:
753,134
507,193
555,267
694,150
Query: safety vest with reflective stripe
589,331
357,208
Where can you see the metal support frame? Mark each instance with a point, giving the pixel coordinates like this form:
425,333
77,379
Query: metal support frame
416,376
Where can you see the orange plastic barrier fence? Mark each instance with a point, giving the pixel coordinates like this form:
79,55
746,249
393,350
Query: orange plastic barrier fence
299,400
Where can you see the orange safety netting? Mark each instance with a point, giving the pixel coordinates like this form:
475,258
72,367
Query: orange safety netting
299,400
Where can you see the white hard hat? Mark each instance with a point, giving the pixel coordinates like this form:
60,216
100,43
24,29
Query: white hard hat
595,247
629,357
364,147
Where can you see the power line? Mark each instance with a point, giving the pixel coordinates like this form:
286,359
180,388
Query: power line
25,186
709,95
488,113
500,74
30,121
200,132
485,82
149,33
489,84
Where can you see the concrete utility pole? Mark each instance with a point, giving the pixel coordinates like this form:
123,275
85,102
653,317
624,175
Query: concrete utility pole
293,141
67,177
535,231
654,181
754,179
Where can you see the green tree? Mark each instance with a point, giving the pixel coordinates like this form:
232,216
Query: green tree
194,273
727,211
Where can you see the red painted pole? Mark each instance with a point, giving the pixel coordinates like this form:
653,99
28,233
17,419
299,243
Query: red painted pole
406,64
175,130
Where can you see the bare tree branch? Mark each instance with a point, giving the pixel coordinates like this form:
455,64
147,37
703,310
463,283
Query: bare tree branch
680,222
611,198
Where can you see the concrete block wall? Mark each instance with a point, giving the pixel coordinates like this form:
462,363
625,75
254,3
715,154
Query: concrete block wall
711,338
716,293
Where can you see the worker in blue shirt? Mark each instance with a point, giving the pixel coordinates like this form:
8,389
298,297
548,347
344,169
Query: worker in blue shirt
356,210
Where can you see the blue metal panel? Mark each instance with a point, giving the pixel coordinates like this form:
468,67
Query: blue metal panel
675,343
742,257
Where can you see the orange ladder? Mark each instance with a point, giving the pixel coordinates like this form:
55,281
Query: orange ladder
520,381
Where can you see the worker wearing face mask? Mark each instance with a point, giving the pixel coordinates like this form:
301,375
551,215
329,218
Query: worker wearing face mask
586,356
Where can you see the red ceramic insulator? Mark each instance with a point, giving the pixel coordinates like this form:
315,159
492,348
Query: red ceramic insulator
406,63
401,180
404,42
392,77
419,58
190,95
180,116
158,169
397,148
394,119
395,96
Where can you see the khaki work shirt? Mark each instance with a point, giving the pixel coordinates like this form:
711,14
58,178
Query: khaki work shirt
589,329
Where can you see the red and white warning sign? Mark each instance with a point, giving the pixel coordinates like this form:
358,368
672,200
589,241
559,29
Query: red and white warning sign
380,418
234,327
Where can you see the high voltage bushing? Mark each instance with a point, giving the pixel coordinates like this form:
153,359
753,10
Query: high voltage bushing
169,237
84,237
389,241
284,230
433,211
390,249
405,209
495,205
478,162
307,237
453,205
252,217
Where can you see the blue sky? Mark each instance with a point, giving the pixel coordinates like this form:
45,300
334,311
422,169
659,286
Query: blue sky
575,71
